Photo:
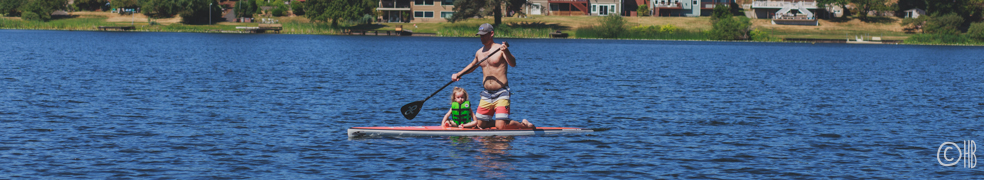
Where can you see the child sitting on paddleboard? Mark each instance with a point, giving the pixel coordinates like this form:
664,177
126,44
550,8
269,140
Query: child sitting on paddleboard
460,114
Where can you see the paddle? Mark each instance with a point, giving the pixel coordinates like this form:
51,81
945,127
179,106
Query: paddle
410,110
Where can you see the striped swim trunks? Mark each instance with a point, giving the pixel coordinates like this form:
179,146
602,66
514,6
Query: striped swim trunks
493,103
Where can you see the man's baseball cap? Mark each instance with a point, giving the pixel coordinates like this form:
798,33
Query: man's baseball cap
484,29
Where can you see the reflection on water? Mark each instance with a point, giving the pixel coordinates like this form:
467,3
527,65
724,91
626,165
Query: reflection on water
492,156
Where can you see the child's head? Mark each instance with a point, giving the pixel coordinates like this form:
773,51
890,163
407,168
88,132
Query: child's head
459,95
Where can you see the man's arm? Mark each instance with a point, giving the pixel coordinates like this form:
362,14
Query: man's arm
468,69
507,55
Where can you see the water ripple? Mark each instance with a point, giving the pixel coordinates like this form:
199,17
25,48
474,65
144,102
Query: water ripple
207,106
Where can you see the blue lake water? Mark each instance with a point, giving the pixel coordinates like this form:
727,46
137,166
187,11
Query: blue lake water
97,105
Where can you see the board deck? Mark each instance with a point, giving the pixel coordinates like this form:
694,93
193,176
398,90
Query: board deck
454,131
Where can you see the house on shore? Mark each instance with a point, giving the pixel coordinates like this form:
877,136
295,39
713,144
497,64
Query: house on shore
574,7
689,8
414,11
771,9
792,12
914,13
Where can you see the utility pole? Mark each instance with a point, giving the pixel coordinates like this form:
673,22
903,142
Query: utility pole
209,13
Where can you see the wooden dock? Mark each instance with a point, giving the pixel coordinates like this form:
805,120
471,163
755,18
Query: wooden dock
365,32
802,22
558,34
262,28
116,28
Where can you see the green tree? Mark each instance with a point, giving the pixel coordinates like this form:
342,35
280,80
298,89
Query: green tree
734,28
976,31
9,7
865,6
720,12
161,8
197,12
116,4
643,10
245,8
464,9
42,8
335,10
90,5
947,24
970,10
297,7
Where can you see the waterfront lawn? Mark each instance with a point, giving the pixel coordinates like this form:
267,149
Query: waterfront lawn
88,23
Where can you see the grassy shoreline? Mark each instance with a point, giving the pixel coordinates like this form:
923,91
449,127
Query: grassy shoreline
578,27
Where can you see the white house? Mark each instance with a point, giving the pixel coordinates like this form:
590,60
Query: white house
914,13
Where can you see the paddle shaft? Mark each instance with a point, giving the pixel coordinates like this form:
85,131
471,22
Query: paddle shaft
469,69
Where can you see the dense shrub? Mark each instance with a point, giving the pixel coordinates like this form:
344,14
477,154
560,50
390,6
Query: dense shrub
937,39
669,28
277,12
734,28
653,30
31,16
946,24
297,7
759,35
976,32
611,26
367,19
668,31
510,30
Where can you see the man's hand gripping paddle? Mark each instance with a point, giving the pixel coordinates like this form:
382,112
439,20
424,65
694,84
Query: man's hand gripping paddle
410,110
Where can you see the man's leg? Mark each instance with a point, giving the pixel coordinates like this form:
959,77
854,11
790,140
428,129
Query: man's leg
509,124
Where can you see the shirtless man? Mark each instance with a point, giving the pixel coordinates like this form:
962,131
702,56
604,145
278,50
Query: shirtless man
495,98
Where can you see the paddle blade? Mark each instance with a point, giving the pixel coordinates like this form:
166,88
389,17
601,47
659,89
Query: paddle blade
410,110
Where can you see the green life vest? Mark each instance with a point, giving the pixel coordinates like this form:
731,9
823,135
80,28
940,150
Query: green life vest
461,113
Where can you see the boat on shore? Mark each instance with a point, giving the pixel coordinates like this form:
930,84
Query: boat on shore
455,131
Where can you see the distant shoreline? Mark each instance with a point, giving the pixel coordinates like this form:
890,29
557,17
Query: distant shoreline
532,28
814,41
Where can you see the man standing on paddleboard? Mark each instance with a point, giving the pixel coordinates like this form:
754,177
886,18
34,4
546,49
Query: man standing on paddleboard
495,98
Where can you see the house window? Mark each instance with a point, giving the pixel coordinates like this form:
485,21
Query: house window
611,8
423,14
423,2
594,8
447,2
446,14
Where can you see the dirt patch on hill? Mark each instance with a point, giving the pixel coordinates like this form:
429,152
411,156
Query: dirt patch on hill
826,25
114,17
